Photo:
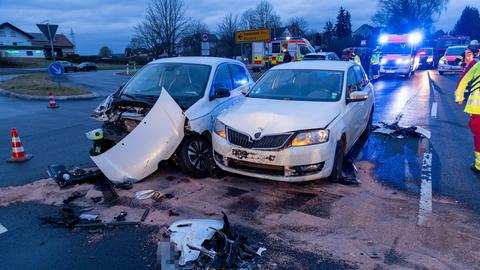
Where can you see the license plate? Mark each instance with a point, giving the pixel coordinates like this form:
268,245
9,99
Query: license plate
389,71
245,155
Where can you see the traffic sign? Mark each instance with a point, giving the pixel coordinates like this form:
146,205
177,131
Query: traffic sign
252,35
56,69
204,37
49,30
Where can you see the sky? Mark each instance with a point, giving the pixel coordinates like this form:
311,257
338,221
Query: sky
98,23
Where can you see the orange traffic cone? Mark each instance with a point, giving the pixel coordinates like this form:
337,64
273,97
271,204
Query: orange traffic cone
51,101
18,154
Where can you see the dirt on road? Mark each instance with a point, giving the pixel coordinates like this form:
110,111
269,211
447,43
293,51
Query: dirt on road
303,226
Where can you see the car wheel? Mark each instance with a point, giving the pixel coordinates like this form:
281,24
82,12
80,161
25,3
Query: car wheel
194,156
336,174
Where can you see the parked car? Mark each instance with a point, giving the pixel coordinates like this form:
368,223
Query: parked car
452,60
87,66
321,56
296,123
165,112
426,58
67,66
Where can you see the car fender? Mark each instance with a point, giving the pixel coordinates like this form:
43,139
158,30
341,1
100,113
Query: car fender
155,139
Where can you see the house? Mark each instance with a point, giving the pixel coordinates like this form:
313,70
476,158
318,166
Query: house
365,31
15,43
18,44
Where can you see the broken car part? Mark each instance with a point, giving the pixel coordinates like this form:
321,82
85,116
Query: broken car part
147,194
121,216
396,131
64,177
145,215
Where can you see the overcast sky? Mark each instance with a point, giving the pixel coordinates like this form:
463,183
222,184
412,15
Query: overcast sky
110,22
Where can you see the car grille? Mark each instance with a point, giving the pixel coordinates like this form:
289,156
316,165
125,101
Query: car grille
452,63
266,142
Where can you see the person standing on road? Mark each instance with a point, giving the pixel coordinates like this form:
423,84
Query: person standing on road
470,53
287,58
469,88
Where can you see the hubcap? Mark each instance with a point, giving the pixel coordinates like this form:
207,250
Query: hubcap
197,154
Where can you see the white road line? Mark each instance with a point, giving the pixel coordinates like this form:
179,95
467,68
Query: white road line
2,229
425,204
433,113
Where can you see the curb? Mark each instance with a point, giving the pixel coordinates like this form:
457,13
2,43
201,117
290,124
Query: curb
30,97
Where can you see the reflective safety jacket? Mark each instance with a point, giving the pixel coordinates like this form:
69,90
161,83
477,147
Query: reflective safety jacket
470,84
469,56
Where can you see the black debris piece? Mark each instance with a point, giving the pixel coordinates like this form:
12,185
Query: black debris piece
65,216
171,213
126,186
169,195
75,195
145,215
109,193
121,216
65,177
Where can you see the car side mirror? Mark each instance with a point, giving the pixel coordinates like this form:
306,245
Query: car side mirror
357,96
221,93
245,90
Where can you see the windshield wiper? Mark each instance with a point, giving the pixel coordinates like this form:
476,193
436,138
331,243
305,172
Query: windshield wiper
127,95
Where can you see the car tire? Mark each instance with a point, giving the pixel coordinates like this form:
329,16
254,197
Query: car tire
336,174
193,156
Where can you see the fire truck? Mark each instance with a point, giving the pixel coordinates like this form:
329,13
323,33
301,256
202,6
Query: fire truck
268,54
399,54
442,44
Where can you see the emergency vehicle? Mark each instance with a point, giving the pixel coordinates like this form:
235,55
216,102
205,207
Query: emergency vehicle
399,54
442,44
271,53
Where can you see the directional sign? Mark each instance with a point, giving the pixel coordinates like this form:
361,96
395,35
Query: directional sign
252,35
56,69
204,37
49,30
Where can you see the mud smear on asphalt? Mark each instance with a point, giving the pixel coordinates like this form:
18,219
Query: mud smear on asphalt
368,226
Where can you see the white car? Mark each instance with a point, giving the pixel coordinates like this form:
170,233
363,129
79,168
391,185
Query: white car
296,123
165,111
321,56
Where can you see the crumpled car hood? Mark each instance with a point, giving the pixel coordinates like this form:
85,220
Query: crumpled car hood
279,116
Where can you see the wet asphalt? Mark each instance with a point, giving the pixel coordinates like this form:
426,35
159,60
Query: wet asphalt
57,136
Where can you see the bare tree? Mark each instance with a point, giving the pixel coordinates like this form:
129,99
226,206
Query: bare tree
249,19
191,40
298,26
163,25
105,52
226,31
405,15
263,16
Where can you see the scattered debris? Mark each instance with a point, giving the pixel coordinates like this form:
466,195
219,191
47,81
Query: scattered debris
350,172
65,216
64,177
75,195
147,194
3,229
121,216
145,215
260,251
171,213
107,224
126,186
88,217
210,244
396,131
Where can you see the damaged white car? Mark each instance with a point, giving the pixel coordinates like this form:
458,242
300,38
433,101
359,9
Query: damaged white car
165,111
296,123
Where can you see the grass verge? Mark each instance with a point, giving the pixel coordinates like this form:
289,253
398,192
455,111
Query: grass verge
39,85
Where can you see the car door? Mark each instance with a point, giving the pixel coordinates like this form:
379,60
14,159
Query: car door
352,110
364,106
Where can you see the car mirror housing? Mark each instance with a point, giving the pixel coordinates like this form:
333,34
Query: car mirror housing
245,90
357,96
221,93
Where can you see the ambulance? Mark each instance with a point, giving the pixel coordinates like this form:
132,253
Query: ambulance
268,54
399,54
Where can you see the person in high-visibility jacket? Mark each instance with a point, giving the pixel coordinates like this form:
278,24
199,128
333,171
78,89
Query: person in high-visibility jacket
470,86
470,53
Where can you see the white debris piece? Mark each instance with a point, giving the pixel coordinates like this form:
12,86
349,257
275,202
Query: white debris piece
88,217
192,232
260,251
426,133
147,194
2,229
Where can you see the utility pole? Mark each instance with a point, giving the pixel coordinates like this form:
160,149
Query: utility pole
51,41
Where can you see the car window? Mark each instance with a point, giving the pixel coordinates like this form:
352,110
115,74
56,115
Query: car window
351,81
223,79
239,75
361,77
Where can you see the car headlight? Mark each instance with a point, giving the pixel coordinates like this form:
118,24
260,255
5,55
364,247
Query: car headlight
443,61
383,61
220,129
310,137
400,61
430,59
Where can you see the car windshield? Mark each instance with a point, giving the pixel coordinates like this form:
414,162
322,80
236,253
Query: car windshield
186,83
396,48
296,84
455,51
314,57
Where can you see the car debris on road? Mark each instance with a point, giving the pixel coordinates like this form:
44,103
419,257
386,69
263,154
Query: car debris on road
396,131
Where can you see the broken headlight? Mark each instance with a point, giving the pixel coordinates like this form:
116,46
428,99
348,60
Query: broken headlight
220,129
310,137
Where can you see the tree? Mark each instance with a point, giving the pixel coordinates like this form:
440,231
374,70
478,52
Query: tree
468,24
263,16
328,33
105,52
298,26
191,40
163,25
403,16
343,26
226,32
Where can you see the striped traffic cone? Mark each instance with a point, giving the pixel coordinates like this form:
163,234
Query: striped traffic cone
18,154
51,101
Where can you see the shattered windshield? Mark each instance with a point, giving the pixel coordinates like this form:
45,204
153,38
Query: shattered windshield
296,84
186,83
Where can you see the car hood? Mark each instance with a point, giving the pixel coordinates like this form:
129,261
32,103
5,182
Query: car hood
277,116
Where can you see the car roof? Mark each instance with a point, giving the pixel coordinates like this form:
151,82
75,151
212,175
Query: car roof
212,61
320,53
458,47
320,65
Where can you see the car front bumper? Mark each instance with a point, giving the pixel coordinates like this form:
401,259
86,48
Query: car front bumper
395,69
292,164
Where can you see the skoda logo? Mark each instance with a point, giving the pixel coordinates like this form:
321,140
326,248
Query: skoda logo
257,135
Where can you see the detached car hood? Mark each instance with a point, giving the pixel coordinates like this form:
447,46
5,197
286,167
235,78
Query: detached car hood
155,139
278,116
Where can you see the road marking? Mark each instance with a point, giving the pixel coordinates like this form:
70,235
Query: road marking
425,204
433,113
2,229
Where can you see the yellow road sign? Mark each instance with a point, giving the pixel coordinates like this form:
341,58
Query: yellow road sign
252,35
